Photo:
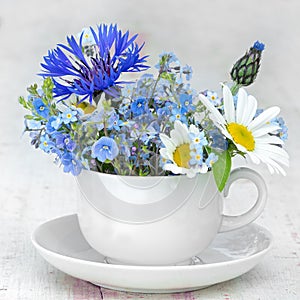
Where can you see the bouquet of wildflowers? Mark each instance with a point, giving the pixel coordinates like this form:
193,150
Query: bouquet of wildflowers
90,117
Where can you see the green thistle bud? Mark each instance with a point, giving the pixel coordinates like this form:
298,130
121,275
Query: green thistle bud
245,70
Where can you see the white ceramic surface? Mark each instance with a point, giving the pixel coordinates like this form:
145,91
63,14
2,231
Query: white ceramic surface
231,254
150,216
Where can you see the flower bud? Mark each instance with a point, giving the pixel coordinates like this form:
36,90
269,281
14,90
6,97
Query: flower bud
246,68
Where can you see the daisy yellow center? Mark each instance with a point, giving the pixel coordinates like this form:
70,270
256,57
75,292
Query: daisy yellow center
241,135
181,155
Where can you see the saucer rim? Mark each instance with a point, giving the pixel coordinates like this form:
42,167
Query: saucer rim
59,256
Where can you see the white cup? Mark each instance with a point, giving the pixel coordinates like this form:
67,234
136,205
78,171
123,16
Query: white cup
158,220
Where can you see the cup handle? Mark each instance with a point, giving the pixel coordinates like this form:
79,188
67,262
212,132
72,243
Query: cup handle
234,222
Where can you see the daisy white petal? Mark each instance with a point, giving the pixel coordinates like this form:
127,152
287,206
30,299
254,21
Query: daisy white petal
269,139
193,129
167,142
165,154
272,164
254,158
252,108
276,150
242,105
264,117
181,130
268,128
228,104
216,115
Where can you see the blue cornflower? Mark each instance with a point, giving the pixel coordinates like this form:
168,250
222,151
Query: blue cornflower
139,106
69,116
87,76
46,144
178,114
105,148
41,108
71,163
212,158
64,141
186,102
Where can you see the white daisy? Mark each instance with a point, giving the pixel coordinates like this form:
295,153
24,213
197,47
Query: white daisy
250,134
178,151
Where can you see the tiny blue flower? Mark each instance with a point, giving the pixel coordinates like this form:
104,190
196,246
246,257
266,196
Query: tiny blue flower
212,158
170,105
69,116
188,71
139,106
198,140
186,102
127,90
163,112
105,148
53,124
71,163
41,108
114,122
32,124
196,158
46,144
178,114
214,99
64,141
86,37
282,133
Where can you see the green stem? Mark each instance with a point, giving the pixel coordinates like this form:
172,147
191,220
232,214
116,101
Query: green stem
234,89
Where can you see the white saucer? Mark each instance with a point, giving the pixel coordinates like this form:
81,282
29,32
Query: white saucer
231,254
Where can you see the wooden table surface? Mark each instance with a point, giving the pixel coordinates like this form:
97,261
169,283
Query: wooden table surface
209,35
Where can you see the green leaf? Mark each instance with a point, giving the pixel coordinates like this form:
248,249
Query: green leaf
47,88
29,117
221,169
168,76
33,90
23,102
